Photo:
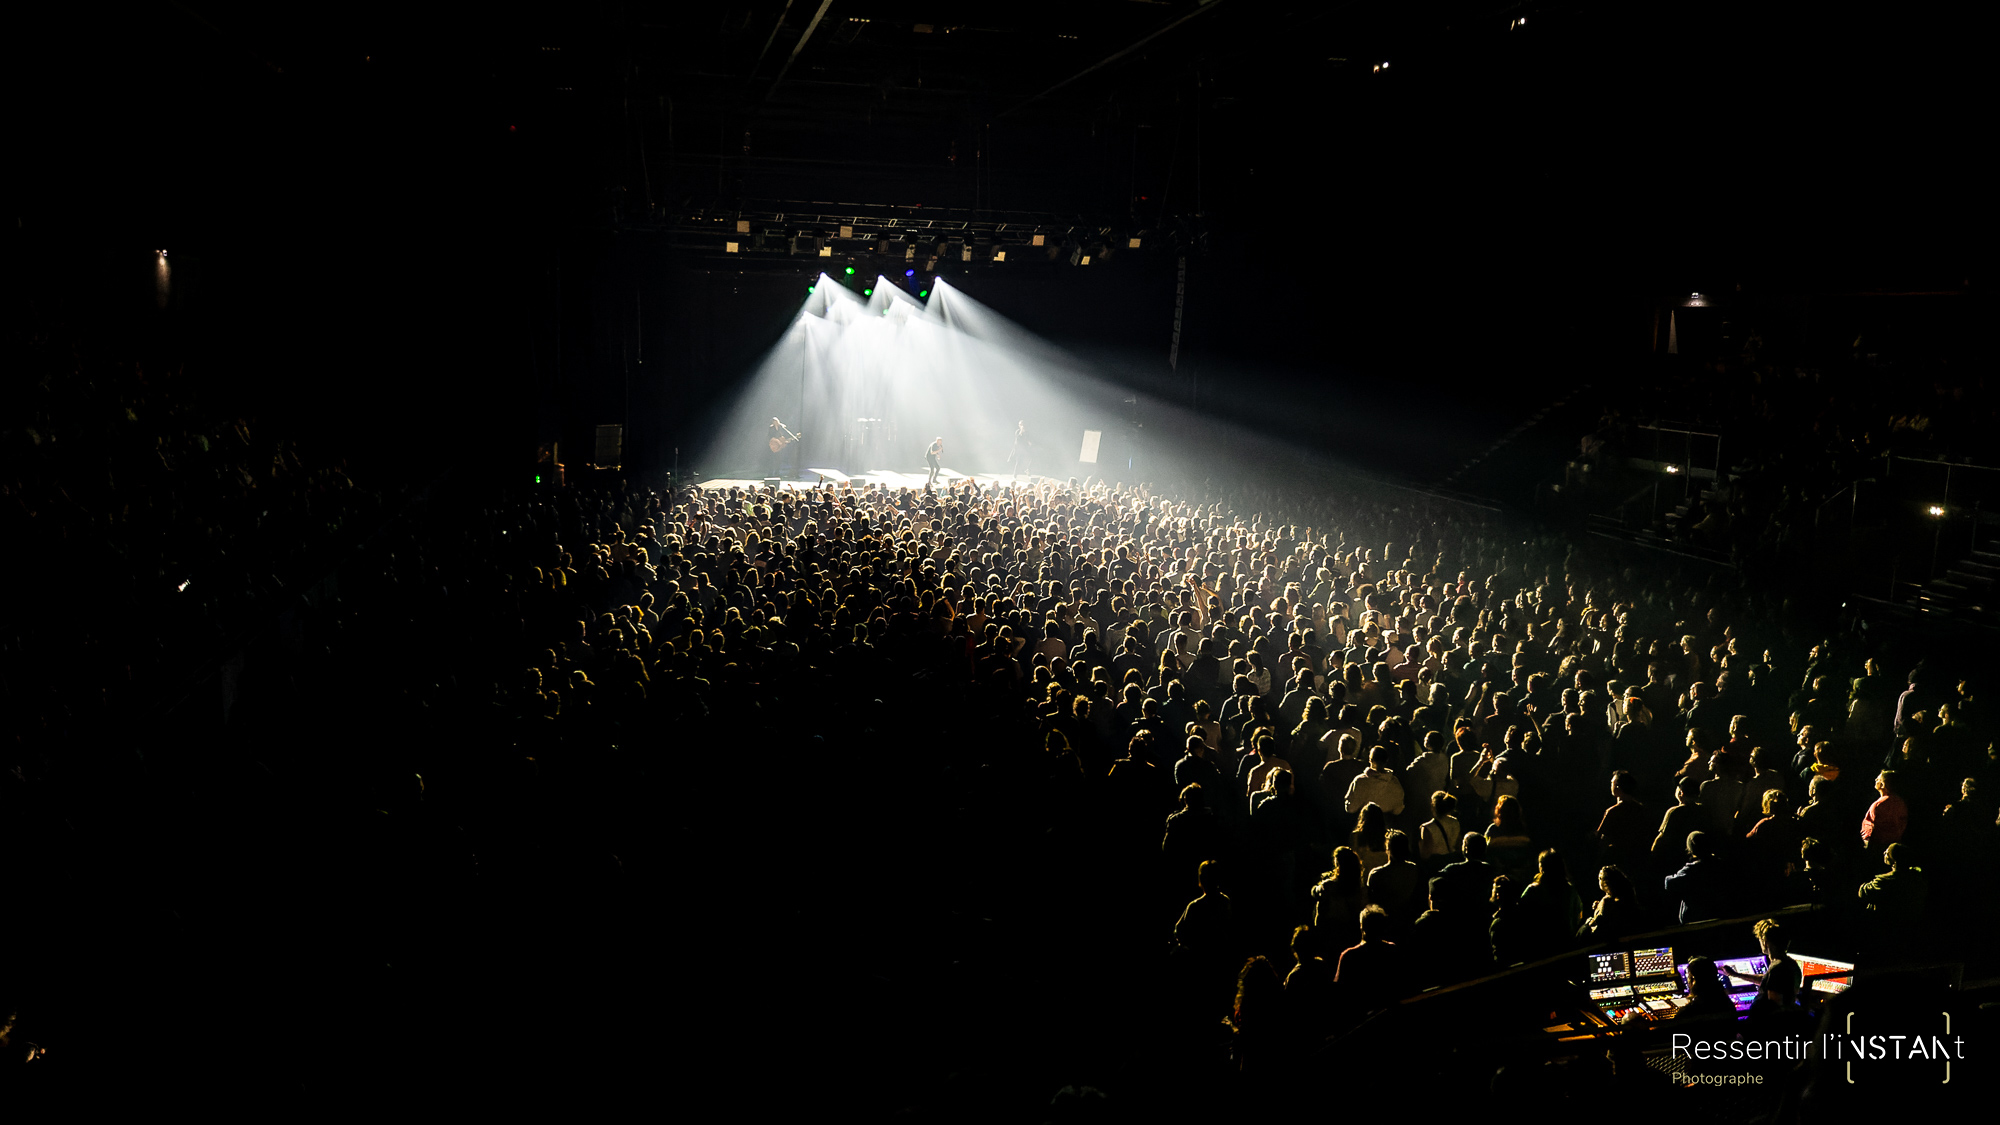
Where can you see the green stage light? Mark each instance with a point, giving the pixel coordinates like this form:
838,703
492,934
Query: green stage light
809,288
925,293
867,292
850,271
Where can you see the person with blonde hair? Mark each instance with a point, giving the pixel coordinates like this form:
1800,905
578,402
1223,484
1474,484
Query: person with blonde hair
1778,985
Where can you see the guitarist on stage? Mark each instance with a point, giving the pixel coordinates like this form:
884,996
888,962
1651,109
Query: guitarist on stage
781,438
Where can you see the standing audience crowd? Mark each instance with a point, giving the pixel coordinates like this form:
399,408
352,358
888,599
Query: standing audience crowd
1332,751
149,526
1315,750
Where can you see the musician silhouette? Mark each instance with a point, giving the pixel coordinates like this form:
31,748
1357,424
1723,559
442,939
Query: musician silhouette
931,457
1022,445
782,439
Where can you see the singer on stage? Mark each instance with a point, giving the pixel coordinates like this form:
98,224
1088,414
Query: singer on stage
1022,444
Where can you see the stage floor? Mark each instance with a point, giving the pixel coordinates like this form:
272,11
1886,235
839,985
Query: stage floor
880,478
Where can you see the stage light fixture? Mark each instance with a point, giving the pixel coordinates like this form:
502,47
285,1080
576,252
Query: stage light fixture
847,232
1037,241
999,255
1085,261
965,253
1935,510
742,226
810,288
850,271
909,273
925,293
826,251
1131,244
867,292
729,247
1673,468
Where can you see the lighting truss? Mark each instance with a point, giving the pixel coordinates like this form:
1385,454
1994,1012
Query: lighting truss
776,231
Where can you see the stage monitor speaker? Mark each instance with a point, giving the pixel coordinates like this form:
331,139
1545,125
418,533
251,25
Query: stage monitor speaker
610,446
1090,440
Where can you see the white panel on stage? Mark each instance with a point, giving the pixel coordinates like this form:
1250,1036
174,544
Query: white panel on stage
1090,440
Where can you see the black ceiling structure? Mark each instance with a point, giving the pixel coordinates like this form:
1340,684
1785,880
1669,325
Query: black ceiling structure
1702,130
1627,144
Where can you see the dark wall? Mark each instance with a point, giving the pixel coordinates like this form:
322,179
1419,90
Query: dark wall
333,262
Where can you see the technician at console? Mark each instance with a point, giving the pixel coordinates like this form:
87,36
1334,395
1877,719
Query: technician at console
1778,986
1707,996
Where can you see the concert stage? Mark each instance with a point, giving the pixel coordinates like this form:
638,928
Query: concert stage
883,479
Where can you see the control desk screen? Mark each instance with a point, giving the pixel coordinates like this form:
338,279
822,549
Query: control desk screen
1610,966
1814,966
1653,962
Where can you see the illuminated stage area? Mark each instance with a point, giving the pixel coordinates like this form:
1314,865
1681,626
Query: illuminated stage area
883,479
863,385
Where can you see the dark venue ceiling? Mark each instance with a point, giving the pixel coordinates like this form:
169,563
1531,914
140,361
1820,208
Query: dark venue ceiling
1519,178
1600,131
